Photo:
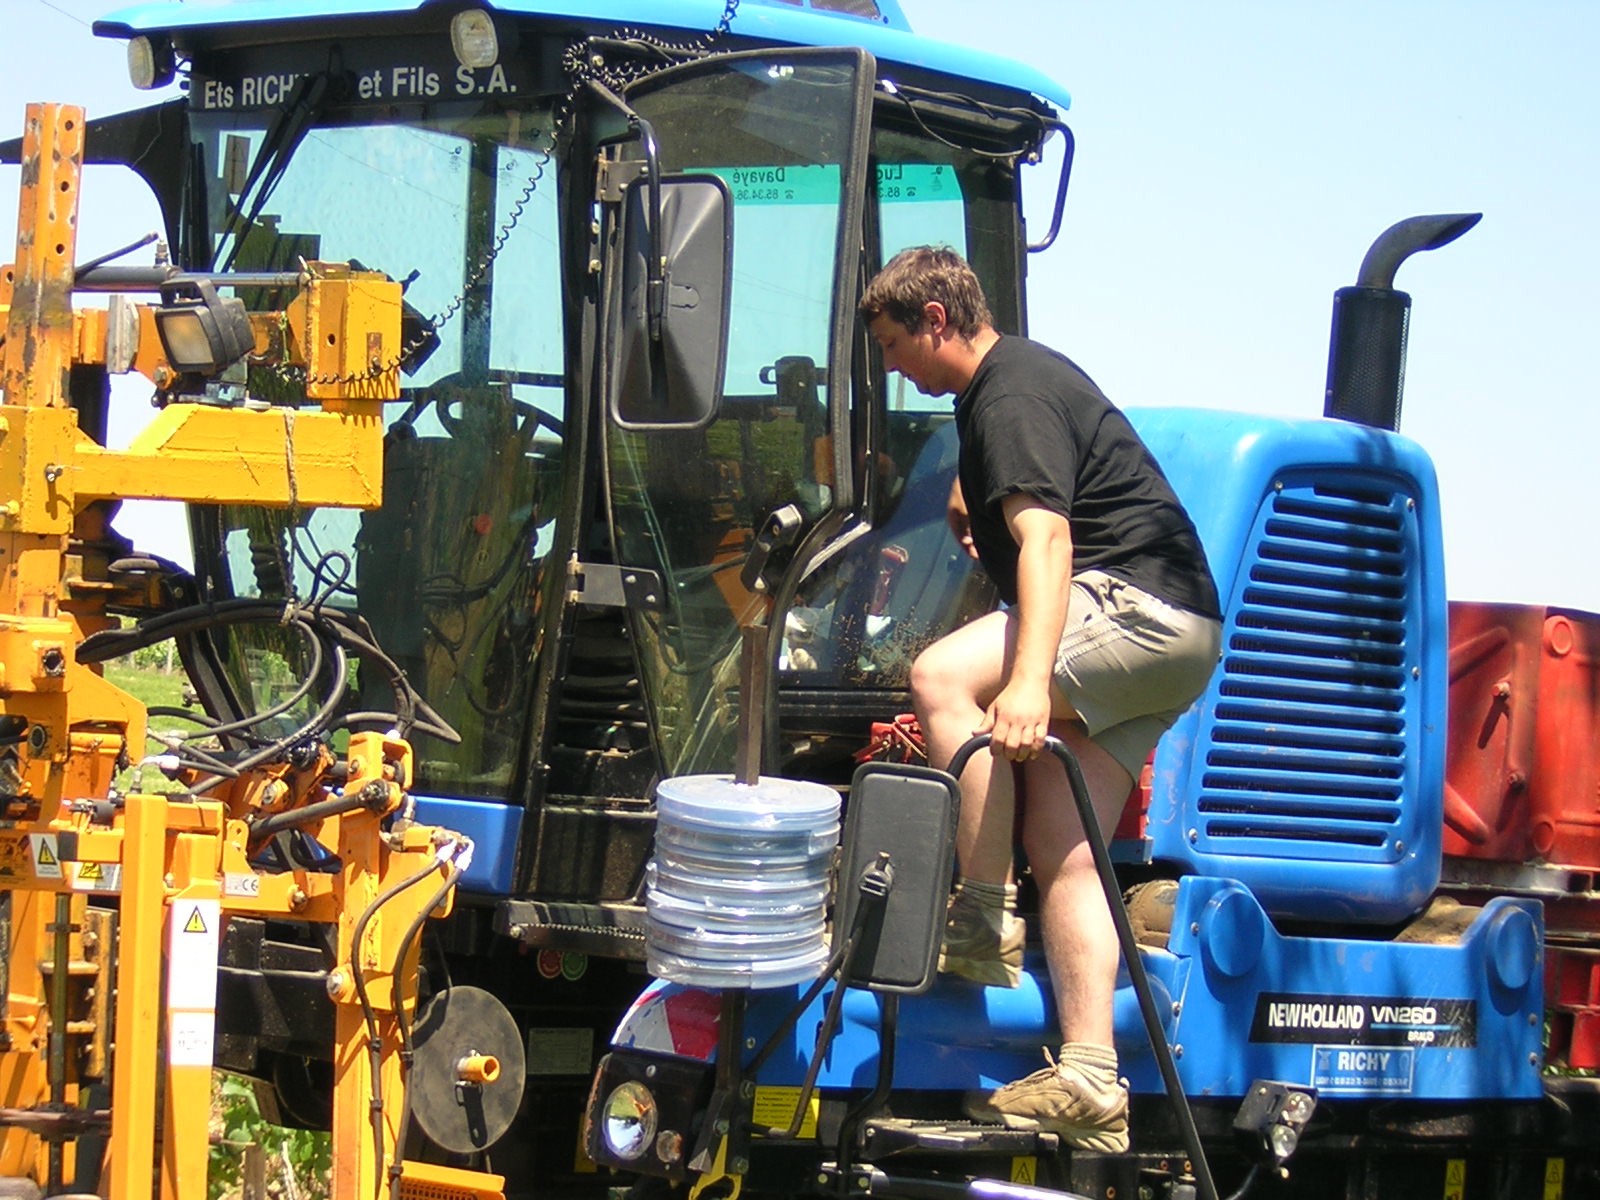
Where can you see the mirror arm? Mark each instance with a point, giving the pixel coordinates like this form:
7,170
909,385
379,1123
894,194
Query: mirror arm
656,284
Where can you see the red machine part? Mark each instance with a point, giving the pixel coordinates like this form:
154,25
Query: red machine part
1572,993
1522,778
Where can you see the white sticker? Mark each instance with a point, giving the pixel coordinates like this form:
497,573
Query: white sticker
190,1038
192,929
241,883
46,856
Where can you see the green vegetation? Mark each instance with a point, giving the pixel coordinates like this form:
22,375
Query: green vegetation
292,1164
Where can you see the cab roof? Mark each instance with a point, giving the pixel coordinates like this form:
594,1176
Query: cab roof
878,26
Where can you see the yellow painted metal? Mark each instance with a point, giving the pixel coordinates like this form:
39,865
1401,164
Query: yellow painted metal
134,1085
429,1181
38,350
149,852
226,456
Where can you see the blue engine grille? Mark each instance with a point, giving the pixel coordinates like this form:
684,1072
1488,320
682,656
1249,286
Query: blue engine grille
1306,739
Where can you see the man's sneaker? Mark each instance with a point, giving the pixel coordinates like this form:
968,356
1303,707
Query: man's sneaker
1080,1098
982,943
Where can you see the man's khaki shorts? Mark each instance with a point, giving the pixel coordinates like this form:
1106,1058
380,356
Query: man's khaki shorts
1130,664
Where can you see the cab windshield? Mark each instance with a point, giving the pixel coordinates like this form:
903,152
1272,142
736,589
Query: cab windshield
460,207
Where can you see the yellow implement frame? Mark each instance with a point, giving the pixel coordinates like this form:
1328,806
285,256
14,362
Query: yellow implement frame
86,875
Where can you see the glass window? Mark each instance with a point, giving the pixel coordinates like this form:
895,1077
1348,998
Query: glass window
689,503
866,613
448,570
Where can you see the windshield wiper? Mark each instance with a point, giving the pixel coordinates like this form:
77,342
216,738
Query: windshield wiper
272,159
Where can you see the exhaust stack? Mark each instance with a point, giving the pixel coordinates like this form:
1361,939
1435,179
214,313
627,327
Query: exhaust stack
1367,346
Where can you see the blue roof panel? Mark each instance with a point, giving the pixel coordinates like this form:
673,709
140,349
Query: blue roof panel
767,20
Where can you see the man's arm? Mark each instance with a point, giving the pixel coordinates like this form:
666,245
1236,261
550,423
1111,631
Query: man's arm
1019,717
959,519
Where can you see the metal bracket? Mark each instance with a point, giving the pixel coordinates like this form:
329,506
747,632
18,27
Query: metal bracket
606,585
612,177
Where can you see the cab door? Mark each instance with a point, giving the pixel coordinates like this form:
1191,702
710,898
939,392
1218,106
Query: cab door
786,134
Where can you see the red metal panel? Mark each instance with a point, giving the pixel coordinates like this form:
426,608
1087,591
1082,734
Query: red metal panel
1522,777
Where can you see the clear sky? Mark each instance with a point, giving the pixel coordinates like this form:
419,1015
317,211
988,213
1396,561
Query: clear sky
1235,160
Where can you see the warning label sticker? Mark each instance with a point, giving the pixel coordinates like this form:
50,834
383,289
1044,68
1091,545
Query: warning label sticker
46,857
97,877
190,1038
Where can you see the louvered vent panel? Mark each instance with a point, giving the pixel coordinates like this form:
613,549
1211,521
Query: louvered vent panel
1307,738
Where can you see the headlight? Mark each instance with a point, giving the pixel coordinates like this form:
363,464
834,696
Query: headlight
628,1120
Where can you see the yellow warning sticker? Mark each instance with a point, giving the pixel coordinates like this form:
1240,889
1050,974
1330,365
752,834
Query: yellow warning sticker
1455,1179
775,1107
1025,1169
97,877
196,923
1555,1178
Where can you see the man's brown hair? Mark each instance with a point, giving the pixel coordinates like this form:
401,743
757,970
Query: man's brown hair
918,275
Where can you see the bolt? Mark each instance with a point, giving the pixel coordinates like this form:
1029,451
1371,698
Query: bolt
749,1043
721,1127
747,1089
335,983
822,1178
1177,1009
1533,1060
1194,835
1533,1019
297,899
1177,1052
517,931
741,1165
650,1071
1399,847
53,472
1195,927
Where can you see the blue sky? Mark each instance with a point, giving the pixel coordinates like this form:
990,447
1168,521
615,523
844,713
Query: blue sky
1235,159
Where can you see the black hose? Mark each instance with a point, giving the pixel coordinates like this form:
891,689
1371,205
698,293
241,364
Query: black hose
368,1013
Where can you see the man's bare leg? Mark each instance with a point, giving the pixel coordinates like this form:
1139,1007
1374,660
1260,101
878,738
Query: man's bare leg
1079,1096
952,683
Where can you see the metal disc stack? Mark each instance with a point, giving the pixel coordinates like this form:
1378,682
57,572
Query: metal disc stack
737,890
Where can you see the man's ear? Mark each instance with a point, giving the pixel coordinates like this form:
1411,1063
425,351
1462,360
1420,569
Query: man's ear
934,318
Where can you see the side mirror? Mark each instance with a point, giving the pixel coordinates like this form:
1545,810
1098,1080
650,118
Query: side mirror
672,332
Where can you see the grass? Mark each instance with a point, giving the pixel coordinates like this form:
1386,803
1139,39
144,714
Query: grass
155,686
152,685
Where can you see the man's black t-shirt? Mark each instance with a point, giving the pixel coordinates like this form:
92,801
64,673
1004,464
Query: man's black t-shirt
1030,421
